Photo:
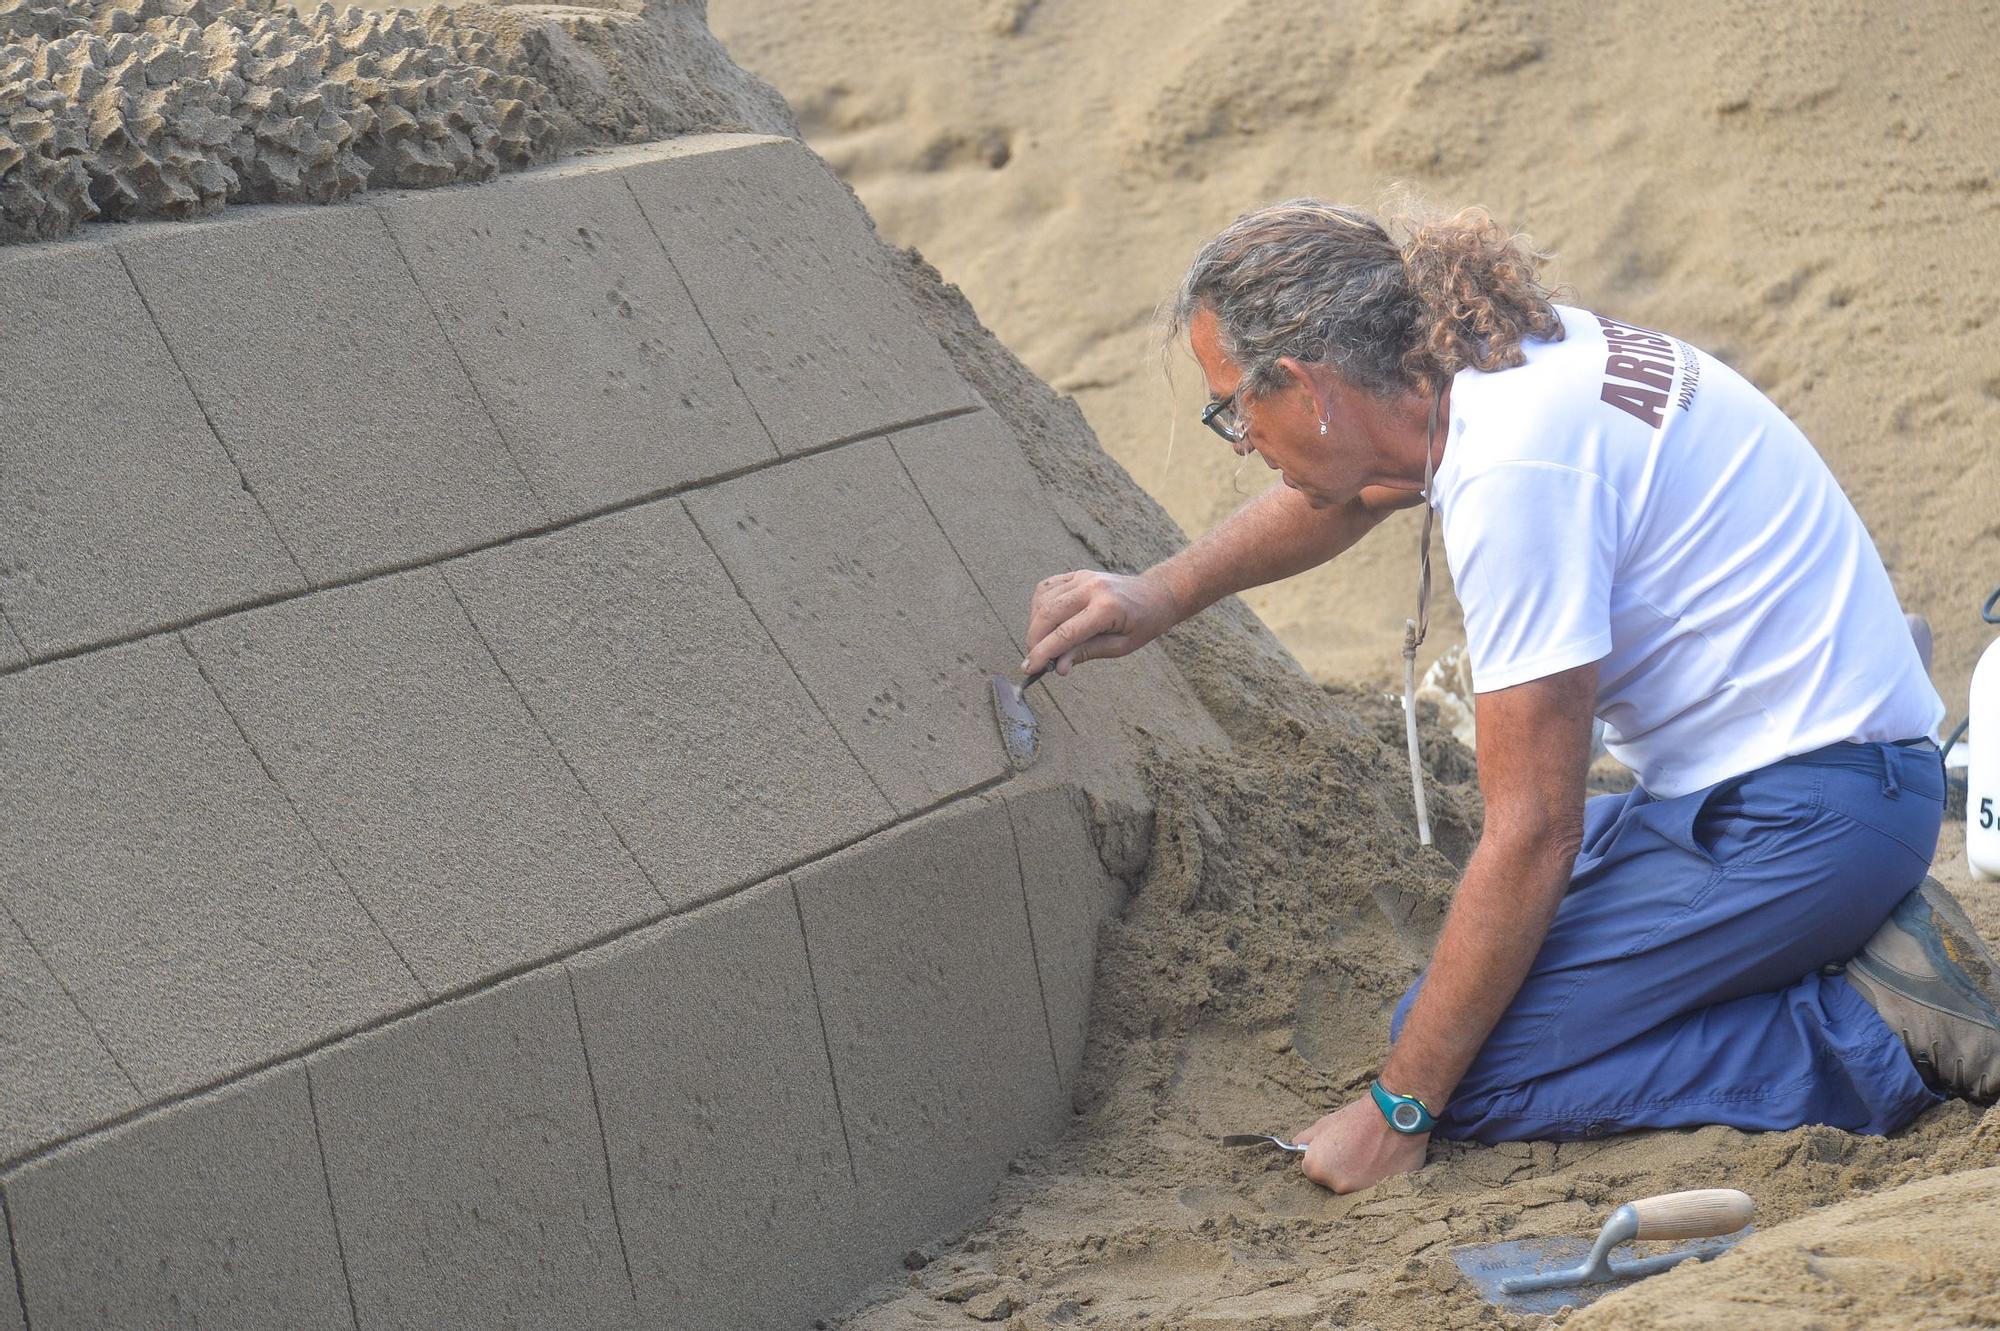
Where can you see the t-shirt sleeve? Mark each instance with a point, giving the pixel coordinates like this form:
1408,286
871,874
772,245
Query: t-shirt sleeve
1533,546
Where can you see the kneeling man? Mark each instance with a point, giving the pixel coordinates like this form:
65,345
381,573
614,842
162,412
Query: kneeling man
1636,535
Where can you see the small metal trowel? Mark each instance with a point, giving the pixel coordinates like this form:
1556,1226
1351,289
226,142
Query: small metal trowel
1260,1139
1547,1275
1020,732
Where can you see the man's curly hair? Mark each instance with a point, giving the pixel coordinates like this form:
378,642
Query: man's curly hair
1327,284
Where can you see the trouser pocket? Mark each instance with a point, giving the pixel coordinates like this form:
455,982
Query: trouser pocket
1742,820
1902,797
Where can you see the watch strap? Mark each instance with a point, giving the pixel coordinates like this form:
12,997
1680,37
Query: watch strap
1406,1114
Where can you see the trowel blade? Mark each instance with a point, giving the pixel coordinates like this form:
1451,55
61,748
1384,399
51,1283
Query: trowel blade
1020,733
1259,1139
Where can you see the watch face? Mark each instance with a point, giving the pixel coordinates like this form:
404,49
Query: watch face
1407,1117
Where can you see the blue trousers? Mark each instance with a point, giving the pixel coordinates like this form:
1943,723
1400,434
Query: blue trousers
1681,982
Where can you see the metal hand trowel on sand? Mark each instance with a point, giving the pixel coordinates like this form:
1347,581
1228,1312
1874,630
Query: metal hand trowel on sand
1547,1275
1020,732
1261,1139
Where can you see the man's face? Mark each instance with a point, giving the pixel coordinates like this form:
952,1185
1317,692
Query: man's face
1281,427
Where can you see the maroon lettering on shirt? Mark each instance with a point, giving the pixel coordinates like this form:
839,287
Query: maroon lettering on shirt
1639,371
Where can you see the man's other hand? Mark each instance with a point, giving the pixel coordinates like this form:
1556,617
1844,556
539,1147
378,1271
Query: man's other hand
1084,616
1354,1148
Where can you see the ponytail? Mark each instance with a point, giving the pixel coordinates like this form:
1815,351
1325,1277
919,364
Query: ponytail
1479,290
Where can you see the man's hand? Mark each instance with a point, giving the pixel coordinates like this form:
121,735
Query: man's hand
1084,616
1355,1148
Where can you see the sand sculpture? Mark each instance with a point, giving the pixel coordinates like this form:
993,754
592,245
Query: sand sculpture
470,838
127,110
502,815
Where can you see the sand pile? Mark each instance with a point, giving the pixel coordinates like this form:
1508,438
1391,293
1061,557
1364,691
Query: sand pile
1809,191
124,110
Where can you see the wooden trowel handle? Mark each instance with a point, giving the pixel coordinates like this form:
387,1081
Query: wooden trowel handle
1702,1213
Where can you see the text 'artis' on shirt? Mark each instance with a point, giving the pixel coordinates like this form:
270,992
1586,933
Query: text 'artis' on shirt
1624,497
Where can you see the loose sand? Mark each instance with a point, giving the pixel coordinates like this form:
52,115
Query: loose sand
1808,193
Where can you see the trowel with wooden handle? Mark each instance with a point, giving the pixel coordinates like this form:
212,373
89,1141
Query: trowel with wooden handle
1020,732
1546,1275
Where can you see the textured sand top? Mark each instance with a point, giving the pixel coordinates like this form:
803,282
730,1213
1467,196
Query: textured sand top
122,110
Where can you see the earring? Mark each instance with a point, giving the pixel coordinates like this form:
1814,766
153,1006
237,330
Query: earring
1322,427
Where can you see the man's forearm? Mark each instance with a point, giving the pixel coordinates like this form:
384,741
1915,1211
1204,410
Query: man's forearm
1274,536
1498,920
1534,744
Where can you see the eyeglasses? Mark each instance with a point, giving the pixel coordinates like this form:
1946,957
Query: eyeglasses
1221,417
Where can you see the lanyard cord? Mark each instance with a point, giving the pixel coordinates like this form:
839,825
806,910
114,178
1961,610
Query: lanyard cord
1414,630
1430,514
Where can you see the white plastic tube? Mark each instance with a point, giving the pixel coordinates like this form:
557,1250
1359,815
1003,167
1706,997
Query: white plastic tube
1410,730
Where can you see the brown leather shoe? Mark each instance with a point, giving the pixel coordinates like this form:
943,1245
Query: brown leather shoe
1938,987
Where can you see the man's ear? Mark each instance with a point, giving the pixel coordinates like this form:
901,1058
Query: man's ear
1312,378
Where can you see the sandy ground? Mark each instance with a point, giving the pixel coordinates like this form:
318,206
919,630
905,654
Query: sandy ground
1806,190
1247,987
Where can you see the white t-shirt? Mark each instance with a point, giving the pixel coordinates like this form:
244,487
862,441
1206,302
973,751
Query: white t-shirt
1626,498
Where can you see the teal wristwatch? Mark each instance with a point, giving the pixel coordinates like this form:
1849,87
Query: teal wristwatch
1406,1114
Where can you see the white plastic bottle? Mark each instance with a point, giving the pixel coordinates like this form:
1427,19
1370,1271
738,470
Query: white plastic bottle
1982,771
